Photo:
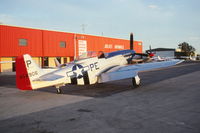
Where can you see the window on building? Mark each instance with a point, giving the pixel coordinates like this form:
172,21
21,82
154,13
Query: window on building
63,44
13,65
65,60
45,62
23,42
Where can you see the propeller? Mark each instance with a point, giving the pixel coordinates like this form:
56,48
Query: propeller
131,48
131,41
150,53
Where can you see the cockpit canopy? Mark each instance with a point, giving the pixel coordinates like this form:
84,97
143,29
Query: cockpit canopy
125,53
101,54
89,54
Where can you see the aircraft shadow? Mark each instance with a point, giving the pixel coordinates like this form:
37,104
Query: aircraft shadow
97,90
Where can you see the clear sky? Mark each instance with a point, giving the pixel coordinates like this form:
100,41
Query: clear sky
159,23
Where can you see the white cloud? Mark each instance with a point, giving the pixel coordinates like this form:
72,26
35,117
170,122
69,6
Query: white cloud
153,6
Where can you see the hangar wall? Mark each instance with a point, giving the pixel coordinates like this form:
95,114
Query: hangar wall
9,41
45,45
99,43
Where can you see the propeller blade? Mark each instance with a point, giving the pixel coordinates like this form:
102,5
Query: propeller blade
150,49
131,41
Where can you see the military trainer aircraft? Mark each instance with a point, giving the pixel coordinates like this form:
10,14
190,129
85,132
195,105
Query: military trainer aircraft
89,68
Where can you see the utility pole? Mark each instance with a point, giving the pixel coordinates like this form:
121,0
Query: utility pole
83,26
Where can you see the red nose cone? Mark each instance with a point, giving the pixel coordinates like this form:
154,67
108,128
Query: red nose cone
151,54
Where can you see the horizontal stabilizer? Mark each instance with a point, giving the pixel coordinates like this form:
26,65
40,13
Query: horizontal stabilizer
49,77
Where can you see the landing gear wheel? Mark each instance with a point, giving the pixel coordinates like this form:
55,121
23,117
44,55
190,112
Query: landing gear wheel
59,91
136,81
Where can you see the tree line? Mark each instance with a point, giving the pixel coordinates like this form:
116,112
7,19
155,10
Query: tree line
189,50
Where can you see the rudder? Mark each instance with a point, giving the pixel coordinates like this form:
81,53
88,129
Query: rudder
26,71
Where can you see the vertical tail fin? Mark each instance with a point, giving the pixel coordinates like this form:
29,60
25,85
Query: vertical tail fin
57,63
26,71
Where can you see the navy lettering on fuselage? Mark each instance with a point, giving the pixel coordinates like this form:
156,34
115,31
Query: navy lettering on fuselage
94,66
28,63
32,74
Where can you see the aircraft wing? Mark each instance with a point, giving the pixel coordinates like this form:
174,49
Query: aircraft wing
129,71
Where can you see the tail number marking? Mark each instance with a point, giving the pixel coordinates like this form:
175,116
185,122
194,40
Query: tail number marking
23,76
32,74
28,62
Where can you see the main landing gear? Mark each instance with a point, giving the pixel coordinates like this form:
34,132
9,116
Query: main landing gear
59,91
136,81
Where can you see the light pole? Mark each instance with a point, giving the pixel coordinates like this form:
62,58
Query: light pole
83,26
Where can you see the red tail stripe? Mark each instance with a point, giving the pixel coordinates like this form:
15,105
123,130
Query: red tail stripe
22,79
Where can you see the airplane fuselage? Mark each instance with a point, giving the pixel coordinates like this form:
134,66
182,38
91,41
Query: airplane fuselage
86,71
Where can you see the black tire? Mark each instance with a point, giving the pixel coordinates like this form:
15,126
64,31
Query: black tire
135,84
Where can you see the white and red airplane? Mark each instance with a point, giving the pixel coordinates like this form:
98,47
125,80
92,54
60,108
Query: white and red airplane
90,68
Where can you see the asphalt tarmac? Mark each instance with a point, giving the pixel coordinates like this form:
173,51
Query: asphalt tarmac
168,101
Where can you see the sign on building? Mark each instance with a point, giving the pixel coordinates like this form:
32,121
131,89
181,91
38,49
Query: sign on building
82,47
119,46
108,46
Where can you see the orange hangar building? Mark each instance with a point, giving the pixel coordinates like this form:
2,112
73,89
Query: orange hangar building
44,45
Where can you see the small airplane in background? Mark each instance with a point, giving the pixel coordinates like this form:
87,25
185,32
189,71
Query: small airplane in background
89,68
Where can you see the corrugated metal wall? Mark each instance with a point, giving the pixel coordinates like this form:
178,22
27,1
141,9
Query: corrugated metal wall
138,46
51,43
43,43
98,43
10,41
